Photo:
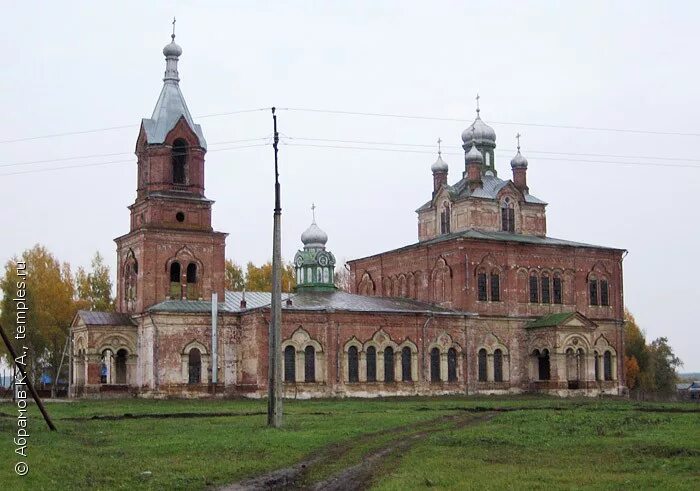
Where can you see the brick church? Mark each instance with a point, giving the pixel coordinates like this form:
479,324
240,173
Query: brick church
484,302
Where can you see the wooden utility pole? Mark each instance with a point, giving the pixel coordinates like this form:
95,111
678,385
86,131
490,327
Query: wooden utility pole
27,380
274,400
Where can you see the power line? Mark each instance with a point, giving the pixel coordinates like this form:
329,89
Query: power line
461,120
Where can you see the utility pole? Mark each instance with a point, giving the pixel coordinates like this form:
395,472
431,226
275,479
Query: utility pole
274,399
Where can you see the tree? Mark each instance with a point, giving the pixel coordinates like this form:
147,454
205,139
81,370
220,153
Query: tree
665,363
95,288
234,277
631,371
260,278
635,342
342,278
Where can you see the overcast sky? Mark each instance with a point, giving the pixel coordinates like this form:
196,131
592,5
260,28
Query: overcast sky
76,66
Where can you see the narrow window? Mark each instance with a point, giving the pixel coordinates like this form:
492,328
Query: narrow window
194,366
445,219
607,365
498,365
481,286
604,298
389,365
495,287
290,368
593,291
557,290
545,288
452,365
192,273
309,364
179,161
406,364
120,366
175,272
482,365
534,287
507,216
543,365
435,365
597,367
371,364
353,365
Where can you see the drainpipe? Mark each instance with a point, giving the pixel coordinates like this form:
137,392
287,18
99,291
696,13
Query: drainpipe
422,358
214,340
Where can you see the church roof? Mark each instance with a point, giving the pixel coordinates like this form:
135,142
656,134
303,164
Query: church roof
92,318
489,190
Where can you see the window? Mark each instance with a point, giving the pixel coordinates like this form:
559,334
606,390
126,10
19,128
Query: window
482,365
556,290
175,272
604,298
180,216
495,287
452,365
309,364
607,365
194,366
507,216
290,368
545,289
597,367
179,161
371,364
593,291
353,365
498,365
445,219
534,294
435,365
543,365
406,364
389,365
481,286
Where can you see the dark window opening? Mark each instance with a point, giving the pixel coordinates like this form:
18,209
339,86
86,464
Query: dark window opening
445,220
452,365
406,364
435,365
483,374
175,272
607,366
495,287
604,298
481,286
545,289
498,365
507,219
179,161
194,366
309,364
593,291
371,364
353,365
192,273
597,367
557,290
179,216
388,365
290,369
543,365
534,287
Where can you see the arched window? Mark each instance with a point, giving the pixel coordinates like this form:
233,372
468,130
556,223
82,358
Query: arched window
483,374
131,271
175,272
604,297
192,281
495,286
290,368
593,291
534,288
607,366
389,364
120,366
507,216
596,361
481,286
498,365
371,364
451,365
105,366
445,218
556,289
194,366
435,365
543,365
309,364
406,364
353,365
545,288
179,161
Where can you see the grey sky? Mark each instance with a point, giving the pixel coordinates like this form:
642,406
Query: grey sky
631,65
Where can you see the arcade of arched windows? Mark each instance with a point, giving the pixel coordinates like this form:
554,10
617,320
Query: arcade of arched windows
303,359
493,363
185,273
380,359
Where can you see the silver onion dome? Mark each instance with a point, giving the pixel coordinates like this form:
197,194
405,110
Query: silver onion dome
314,236
474,156
172,49
482,133
519,161
439,165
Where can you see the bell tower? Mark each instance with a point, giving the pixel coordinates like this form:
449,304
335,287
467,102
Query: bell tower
171,250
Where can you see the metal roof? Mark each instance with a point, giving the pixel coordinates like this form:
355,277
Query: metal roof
92,318
169,109
551,320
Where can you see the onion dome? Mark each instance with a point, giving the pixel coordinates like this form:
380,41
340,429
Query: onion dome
314,236
474,156
482,133
439,165
172,50
518,162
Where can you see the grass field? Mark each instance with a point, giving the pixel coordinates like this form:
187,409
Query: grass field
455,442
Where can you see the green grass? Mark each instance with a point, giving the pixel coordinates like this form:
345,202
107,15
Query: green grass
554,443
